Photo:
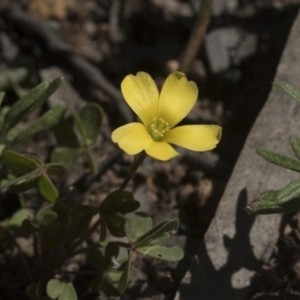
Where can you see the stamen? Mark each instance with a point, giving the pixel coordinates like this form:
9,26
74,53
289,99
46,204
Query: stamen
158,128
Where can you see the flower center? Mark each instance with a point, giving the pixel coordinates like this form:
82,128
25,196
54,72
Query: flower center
158,128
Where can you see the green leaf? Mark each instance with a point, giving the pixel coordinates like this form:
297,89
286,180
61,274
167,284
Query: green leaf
19,164
136,225
295,143
78,122
49,218
96,260
279,159
170,254
125,275
23,185
27,104
121,201
3,111
44,123
28,227
11,77
68,149
2,148
103,241
41,213
67,156
65,135
22,180
2,94
47,189
292,190
24,106
55,169
54,288
160,240
19,216
260,207
288,88
157,232
34,291
91,120
38,161
114,221
68,292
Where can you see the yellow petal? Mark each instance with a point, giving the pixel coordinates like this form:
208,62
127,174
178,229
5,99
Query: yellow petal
177,98
195,137
132,138
161,150
141,94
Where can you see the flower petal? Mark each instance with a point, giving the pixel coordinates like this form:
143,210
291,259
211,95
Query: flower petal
195,137
177,98
141,94
132,138
161,150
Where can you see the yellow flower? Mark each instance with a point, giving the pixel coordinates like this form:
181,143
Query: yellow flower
159,114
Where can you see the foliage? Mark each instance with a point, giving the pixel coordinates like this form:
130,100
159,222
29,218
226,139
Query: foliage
59,223
286,199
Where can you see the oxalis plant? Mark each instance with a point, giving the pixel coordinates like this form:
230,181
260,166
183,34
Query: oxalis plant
59,226
286,199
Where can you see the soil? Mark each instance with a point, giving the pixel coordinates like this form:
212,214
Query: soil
136,35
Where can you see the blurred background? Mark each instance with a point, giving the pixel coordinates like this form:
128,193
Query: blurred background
94,44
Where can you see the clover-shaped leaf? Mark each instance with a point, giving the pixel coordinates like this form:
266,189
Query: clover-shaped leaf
61,290
148,240
96,259
91,121
161,252
35,174
136,225
121,201
68,149
112,209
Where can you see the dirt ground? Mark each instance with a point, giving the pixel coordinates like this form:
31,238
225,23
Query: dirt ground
119,38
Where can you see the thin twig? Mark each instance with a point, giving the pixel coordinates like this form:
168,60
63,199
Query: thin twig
64,55
197,35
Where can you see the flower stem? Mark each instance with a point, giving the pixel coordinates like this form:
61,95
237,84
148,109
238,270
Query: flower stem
136,163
